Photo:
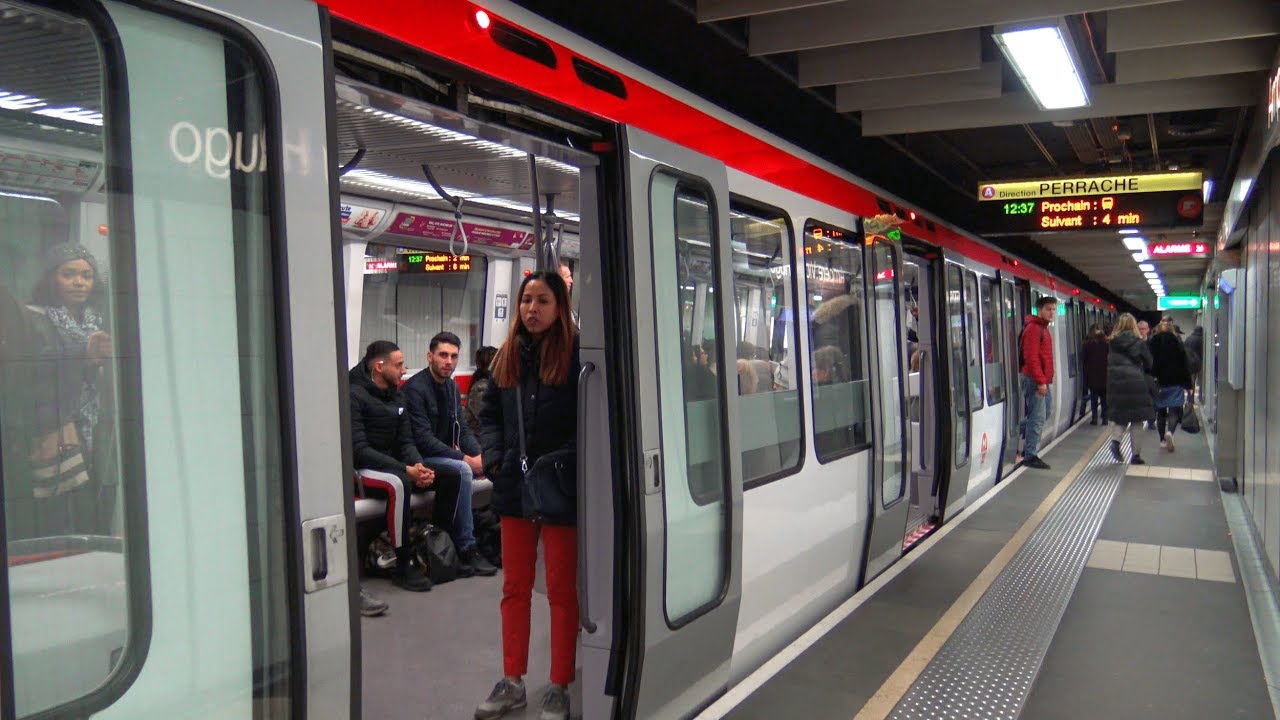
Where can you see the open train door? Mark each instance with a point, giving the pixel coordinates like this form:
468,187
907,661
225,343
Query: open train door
688,565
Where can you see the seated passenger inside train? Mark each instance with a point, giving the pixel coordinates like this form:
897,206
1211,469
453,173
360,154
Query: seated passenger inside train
387,461
445,442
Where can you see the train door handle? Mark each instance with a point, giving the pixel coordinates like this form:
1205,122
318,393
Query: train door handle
324,552
652,471
584,604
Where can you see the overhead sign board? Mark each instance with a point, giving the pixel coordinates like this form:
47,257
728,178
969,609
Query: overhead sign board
1178,249
1092,203
1089,186
1178,302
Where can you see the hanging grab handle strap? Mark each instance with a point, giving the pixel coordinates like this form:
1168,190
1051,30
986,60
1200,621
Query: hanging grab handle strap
456,202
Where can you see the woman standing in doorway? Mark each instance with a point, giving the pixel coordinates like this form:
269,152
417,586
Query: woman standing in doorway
1129,396
1096,349
530,414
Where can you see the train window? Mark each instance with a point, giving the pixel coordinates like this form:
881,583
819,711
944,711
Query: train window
411,298
687,303
140,406
993,340
889,349
1075,326
959,363
973,340
834,292
769,393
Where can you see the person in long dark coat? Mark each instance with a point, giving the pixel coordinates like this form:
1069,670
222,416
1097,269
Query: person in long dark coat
1095,353
1129,396
1171,368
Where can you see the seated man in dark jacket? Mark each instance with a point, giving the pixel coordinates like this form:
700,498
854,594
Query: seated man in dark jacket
387,462
445,441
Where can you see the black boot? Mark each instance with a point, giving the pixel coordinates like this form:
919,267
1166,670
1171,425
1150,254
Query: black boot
408,575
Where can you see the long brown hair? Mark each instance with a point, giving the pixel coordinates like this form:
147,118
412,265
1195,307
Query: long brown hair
555,353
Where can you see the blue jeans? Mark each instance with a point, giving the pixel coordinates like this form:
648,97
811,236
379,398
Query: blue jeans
1037,408
464,536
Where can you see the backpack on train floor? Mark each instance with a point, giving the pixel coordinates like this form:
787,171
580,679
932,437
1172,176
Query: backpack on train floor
435,552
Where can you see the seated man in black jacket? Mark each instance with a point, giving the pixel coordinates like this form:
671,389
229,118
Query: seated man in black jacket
387,462
445,441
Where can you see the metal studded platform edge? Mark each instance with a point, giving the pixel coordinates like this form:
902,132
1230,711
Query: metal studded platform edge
987,667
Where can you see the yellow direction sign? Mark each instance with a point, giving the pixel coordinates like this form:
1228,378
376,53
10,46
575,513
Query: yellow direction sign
1098,185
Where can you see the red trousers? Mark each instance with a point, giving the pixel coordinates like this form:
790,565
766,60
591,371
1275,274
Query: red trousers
519,555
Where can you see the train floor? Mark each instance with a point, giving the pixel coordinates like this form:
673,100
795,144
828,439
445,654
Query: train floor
1092,590
437,655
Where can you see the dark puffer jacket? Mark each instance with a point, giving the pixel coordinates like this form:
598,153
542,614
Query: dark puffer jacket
550,424
1169,360
1129,397
381,436
1195,350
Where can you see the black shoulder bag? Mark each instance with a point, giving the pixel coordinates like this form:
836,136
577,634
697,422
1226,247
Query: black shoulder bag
550,489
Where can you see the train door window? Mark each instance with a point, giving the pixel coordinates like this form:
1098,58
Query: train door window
834,296
138,251
410,295
889,351
993,340
769,393
685,247
973,340
959,362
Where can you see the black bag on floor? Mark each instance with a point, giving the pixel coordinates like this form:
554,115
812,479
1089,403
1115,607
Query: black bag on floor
488,531
435,553
1190,421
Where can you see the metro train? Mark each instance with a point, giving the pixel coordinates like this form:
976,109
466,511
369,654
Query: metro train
261,189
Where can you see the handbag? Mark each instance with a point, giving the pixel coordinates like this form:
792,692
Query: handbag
550,488
1190,420
57,463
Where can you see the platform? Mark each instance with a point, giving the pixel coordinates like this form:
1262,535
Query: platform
1091,590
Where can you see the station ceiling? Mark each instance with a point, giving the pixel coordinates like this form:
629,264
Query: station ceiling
915,96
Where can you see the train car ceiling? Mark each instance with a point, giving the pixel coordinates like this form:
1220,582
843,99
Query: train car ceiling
484,164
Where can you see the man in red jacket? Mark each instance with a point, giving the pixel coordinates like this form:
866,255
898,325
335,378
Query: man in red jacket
1037,376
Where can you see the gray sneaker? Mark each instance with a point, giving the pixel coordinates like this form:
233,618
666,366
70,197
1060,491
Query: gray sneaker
371,606
555,704
506,696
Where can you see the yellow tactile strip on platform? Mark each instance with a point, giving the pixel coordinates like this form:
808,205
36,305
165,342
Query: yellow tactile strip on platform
1191,563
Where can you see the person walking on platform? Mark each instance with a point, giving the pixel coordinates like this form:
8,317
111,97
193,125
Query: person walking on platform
1036,377
1129,396
528,436
1195,360
1095,353
1171,369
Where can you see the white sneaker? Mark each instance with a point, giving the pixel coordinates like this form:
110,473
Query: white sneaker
1168,443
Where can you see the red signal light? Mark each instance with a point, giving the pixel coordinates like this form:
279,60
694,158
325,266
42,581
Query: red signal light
1075,291
483,21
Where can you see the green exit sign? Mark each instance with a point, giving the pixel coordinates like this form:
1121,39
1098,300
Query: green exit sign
1178,302
894,234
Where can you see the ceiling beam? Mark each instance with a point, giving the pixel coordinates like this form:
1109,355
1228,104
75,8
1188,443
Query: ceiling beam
713,10
1212,58
980,84
857,21
1107,100
885,59
1189,22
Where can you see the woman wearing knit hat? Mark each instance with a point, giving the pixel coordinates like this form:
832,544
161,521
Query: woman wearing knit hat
68,312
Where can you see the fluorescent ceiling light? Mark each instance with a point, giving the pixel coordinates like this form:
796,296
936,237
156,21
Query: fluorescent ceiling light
1141,257
1146,267
18,101
1136,243
1043,59
1129,231
1153,275
24,196
1207,187
423,191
